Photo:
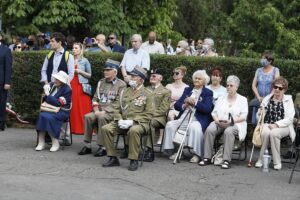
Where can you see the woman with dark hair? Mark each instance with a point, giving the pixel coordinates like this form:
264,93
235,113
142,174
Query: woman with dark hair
215,86
278,120
262,82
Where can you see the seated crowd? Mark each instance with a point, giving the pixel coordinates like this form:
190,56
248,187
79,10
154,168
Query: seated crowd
204,111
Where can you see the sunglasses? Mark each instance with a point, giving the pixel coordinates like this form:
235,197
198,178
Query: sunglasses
111,38
229,85
176,73
278,87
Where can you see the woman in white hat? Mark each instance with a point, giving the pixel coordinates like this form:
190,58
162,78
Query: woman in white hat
59,95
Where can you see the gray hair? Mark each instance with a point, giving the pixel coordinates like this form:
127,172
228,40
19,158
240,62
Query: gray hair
209,42
183,44
203,74
233,78
136,36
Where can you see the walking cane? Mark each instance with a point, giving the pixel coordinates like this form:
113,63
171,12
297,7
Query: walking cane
180,149
250,160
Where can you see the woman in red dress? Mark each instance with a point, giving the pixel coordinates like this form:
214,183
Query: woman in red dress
81,90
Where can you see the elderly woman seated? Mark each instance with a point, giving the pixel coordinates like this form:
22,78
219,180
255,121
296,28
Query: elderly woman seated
201,99
229,114
58,95
278,120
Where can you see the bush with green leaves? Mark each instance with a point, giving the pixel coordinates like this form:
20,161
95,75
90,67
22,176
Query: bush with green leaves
27,66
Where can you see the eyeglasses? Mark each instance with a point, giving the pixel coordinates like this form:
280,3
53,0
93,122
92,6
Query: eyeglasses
229,85
111,38
278,87
176,73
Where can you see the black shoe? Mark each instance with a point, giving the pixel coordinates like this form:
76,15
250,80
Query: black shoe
66,143
113,161
134,164
2,126
100,152
289,155
124,153
85,151
149,156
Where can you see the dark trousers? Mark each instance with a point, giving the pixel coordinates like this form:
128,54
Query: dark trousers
3,97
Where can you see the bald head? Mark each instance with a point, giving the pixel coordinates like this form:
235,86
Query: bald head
151,37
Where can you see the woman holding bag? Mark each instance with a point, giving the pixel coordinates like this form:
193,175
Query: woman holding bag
81,90
278,121
58,96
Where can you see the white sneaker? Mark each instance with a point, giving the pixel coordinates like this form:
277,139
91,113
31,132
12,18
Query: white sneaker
41,141
40,146
195,159
277,167
55,145
258,164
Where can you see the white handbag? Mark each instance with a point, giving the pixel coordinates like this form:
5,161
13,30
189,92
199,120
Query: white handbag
180,135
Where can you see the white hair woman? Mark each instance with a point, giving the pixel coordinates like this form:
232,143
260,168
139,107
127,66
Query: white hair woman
208,48
229,115
201,99
50,122
183,48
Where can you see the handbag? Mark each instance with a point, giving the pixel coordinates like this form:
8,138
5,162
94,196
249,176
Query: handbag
180,135
256,138
49,108
87,88
217,159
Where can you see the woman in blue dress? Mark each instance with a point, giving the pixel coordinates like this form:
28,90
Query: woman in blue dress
262,82
59,95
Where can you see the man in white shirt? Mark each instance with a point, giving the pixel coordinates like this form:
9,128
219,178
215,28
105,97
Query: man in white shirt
134,57
152,46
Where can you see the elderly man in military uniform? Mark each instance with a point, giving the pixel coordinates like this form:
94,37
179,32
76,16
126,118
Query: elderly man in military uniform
104,100
161,104
132,115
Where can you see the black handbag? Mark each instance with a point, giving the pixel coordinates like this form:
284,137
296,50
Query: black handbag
87,88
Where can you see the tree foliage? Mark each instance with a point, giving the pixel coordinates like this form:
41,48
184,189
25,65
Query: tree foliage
243,27
90,16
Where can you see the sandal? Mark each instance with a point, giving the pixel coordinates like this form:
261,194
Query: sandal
225,165
205,162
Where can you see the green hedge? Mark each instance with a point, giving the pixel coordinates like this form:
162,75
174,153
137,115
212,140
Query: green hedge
27,88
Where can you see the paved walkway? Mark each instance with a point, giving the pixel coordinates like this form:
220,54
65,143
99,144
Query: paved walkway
29,175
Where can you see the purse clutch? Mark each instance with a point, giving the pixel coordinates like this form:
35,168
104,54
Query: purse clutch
87,88
49,108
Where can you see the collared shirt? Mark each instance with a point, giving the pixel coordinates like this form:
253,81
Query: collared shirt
155,48
132,58
56,61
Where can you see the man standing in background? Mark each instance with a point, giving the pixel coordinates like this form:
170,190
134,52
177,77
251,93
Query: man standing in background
5,78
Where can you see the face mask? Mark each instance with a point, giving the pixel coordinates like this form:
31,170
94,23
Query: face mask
132,84
205,47
178,50
264,62
29,43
